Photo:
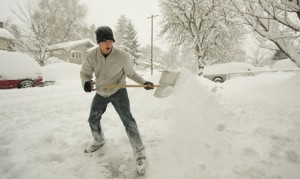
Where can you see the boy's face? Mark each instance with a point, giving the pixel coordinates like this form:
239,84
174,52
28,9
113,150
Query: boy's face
106,46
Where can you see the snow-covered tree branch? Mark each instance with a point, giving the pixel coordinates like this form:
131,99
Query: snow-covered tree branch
205,27
275,21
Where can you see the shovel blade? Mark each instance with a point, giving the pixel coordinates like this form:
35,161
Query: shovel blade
167,81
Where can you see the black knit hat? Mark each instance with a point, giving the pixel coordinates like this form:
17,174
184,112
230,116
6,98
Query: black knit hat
104,33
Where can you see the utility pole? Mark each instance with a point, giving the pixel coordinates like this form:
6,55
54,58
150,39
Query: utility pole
151,58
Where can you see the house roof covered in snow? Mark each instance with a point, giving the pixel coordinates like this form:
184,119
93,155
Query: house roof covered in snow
68,45
5,34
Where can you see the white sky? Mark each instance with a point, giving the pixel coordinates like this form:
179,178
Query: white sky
107,12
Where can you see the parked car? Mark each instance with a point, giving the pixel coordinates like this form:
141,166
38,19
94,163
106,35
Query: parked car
285,65
221,72
18,70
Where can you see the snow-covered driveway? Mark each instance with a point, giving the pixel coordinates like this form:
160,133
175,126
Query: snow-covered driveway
244,128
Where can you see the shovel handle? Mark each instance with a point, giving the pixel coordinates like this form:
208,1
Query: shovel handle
126,86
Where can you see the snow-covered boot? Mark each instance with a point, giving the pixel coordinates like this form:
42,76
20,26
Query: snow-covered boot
95,146
141,166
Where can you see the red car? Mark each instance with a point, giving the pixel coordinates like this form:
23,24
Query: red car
18,70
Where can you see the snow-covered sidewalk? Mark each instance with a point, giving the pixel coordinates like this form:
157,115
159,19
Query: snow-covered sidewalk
244,128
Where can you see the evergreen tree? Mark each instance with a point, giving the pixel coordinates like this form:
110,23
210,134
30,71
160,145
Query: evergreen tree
120,30
127,39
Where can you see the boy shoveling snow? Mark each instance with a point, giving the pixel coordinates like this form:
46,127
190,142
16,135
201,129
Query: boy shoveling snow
111,66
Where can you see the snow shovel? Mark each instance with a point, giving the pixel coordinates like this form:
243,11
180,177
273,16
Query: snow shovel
166,82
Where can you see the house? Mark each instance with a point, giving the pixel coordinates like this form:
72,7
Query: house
73,52
6,39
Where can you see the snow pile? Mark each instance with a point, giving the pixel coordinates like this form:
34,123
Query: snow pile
62,72
246,128
193,140
253,131
262,125
14,65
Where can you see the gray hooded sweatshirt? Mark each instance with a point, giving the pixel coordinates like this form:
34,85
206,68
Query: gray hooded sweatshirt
108,71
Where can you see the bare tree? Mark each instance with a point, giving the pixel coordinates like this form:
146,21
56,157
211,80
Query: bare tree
259,55
294,7
206,28
170,58
274,20
46,22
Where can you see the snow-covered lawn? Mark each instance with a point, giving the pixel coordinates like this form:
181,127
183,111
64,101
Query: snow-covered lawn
245,128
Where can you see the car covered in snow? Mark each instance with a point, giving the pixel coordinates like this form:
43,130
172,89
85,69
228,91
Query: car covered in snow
221,72
285,65
18,70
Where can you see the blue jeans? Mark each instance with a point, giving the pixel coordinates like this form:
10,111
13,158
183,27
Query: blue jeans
121,104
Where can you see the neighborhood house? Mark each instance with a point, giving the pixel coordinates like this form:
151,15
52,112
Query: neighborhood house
73,52
6,39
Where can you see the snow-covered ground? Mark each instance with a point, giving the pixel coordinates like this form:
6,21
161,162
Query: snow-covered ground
245,128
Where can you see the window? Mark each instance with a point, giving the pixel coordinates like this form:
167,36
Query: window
76,55
88,46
